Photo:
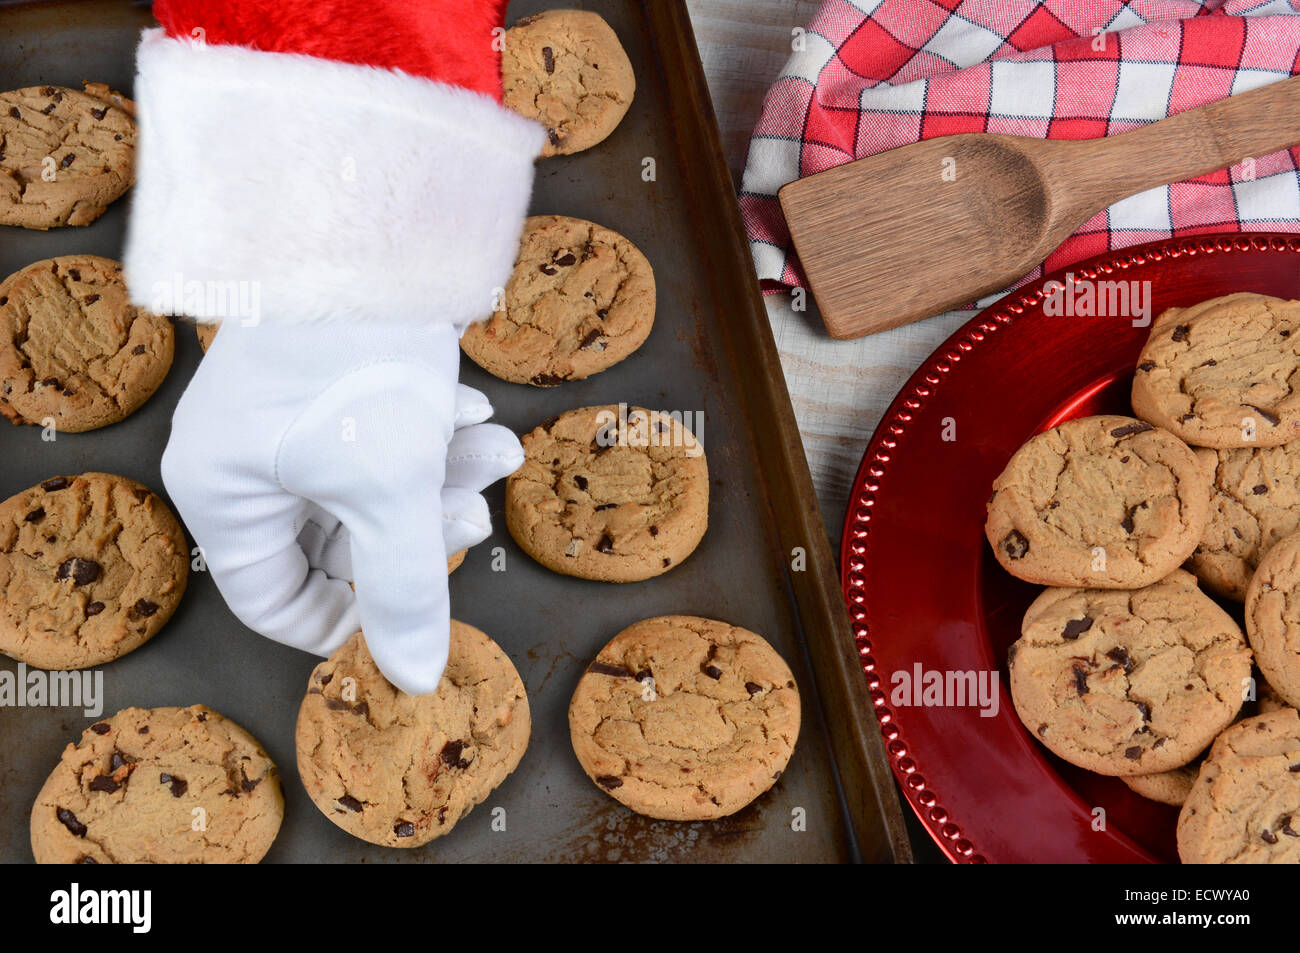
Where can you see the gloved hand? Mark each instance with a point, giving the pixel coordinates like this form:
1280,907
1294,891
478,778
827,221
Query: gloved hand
345,222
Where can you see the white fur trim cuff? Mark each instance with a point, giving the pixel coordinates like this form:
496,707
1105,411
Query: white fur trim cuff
319,189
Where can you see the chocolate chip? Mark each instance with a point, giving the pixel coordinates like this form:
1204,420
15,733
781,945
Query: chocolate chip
546,380
104,783
606,506
101,728
1015,544
351,803
1147,366
451,754
87,859
1130,429
643,675
48,90
1119,655
1181,332
603,668
1210,363
609,782
603,313
90,299
548,269
143,609
47,110
1236,532
15,113
553,136
1127,523
594,341
712,671
67,160
51,382
1076,627
1284,825
246,784
144,730
1259,489
1133,754
1295,768
753,688
74,274
99,113
326,679
567,259
70,821
179,786
654,530
1042,731
404,829
1284,333
667,562
1125,459
119,760
58,483
1144,710
606,545
580,482
35,516
82,572
548,59
1271,419
1269,837
1080,680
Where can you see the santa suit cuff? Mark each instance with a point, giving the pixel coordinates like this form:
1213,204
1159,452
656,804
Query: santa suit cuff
318,188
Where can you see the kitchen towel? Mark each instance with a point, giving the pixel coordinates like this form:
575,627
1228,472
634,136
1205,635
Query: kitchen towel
872,75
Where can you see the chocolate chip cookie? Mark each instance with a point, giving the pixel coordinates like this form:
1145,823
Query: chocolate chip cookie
399,770
1128,682
207,334
1254,502
581,299
567,70
1109,502
1273,617
73,350
91,567
1221,373
685,719
1172,787
65,155
610,493
159,786
1245,805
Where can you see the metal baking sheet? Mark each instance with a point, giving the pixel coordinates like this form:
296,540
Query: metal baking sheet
708,352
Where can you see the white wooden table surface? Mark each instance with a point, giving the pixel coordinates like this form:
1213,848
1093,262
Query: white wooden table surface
840,389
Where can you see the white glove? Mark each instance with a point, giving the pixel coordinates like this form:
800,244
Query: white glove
303,461
347,223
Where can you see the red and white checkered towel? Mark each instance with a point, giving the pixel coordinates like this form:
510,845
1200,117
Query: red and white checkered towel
877,74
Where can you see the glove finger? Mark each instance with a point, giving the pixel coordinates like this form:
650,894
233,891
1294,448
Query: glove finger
250,545
472,406
480,455
466,520
326,542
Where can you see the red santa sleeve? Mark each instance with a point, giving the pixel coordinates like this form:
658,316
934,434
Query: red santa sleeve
351,157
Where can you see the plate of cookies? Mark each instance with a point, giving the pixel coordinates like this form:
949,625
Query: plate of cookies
637,672
1072,558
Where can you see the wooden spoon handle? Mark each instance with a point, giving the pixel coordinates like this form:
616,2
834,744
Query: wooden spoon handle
1196,142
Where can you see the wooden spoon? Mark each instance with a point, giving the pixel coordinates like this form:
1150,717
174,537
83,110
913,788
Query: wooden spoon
915,231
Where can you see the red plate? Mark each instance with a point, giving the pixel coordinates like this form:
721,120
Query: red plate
923,587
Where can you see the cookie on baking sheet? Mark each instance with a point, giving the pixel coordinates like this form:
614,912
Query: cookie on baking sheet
1128,682
1254,502
72,347
207,334
567,70
399,770
1245,805
91,567
609,493
581,299
65,155
1220,373
131,790
1273,617
685,719
1107,502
